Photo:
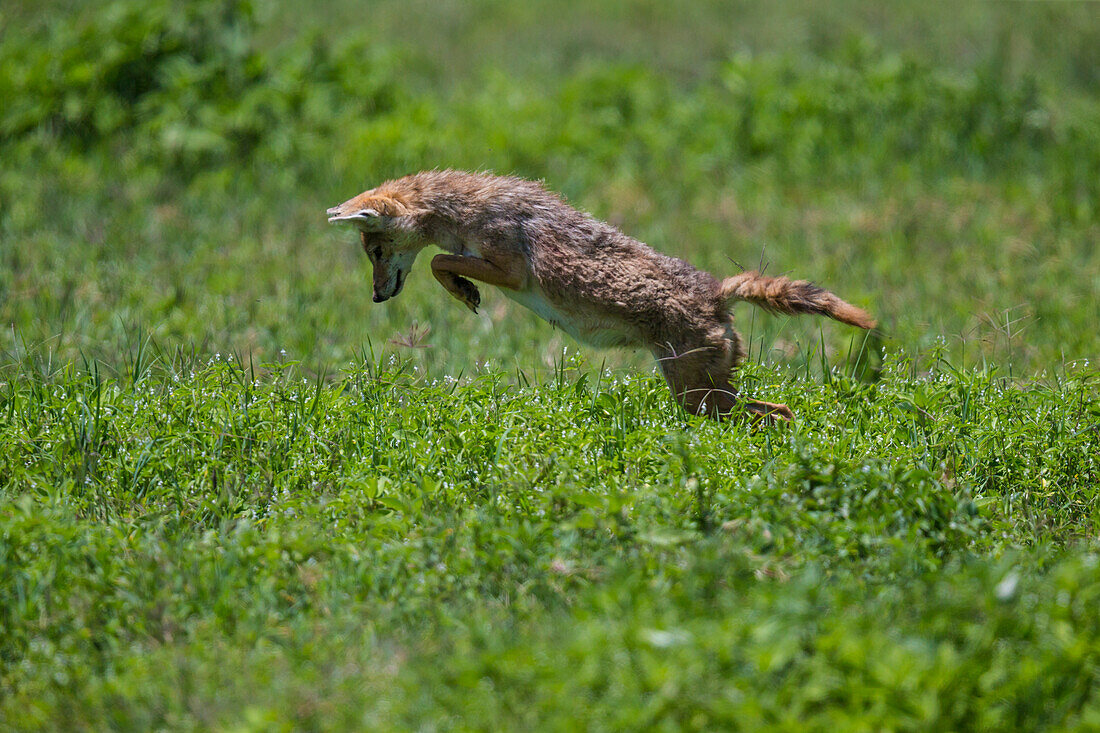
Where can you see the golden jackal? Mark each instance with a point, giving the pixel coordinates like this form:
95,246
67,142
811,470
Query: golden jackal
580,274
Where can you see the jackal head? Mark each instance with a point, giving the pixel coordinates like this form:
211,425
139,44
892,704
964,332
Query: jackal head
389,239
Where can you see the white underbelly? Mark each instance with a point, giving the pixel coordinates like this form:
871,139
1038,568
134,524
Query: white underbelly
585,330
536,301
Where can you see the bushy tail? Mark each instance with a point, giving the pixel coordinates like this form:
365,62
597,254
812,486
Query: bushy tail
782,295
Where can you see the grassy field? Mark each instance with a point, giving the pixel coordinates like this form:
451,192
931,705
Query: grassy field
235,494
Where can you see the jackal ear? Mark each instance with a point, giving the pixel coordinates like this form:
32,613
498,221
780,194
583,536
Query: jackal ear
383,205
369,207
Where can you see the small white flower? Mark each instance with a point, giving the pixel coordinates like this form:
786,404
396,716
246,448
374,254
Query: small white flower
1006,589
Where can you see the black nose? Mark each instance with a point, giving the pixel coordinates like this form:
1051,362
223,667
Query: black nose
380,298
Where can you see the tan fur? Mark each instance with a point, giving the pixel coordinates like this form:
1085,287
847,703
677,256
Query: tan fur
580,274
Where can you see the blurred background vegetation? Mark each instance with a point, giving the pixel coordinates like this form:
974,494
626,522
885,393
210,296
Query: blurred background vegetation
166,167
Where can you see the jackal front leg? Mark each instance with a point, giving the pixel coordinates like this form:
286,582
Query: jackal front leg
452,272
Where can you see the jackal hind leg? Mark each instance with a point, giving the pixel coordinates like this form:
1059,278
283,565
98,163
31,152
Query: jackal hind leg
700,382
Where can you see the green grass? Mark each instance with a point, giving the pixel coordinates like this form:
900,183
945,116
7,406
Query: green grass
235,494
209,545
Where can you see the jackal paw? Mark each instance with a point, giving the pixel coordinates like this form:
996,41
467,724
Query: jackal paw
468,293
769,413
